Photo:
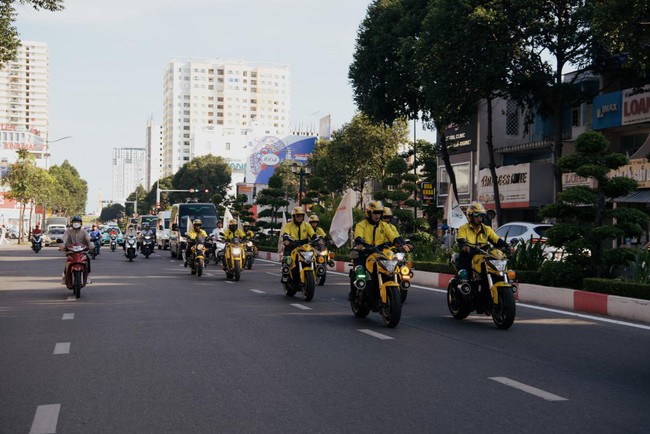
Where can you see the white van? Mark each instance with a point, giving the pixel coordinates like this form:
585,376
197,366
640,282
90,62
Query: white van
162,230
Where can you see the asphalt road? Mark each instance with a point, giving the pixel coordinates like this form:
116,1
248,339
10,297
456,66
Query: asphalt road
148,348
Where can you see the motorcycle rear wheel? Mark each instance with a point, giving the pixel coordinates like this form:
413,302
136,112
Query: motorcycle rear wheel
76,283
309,286
504,313
391,312
457,306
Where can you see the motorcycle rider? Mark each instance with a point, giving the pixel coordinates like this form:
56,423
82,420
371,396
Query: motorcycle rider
194,232
248,233
475,234
232,231
146,230
36,231
75,234
372,231
97,235
217,232
298,230
314,221
130,232
387,217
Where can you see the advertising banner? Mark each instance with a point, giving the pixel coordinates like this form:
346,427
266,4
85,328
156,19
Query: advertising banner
269,152
514,185
606,111
636,106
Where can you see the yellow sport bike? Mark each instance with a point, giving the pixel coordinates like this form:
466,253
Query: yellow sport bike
376,284
299,271
488,290
234,259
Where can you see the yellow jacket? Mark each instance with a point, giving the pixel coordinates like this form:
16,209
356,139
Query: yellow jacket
320,232
229,235
374,234
476,236
250,234
192,234
298,233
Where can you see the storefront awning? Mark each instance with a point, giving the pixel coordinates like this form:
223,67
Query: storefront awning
638,196
525,147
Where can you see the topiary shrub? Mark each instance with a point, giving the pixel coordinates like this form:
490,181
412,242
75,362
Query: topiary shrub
568,273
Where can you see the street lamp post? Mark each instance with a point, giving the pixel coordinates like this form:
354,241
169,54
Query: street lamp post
301,171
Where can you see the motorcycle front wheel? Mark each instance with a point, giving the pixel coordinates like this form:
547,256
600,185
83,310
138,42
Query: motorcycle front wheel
403,294
504,313
249,262
391,312
237,271
320,280
76,283
308,286
455,302
289,290
199,267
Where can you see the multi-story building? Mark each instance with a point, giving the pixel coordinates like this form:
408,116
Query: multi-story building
129,167
24,114
154,148
231,94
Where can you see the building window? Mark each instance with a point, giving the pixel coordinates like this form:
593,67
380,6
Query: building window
227,146
462,172
512,119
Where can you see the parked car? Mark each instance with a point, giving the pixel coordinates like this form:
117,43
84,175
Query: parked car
106,238
526,232
54,235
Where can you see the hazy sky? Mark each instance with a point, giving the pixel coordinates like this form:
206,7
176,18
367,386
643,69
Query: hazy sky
108,57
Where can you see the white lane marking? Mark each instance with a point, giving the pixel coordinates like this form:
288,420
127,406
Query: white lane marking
300,306
272,274
62,348
374,334
72,298
45,419
228,281
68,316
258,291
528,389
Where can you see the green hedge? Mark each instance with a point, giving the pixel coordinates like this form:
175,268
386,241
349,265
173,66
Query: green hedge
435,267
618,287
532,277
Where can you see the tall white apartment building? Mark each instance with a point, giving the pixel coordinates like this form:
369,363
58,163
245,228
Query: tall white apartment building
129,167
24,103
154,147
231,94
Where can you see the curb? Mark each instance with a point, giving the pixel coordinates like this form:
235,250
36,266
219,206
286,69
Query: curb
614,306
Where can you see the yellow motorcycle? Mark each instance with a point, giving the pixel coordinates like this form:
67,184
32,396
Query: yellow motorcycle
375,285
324,258
234,259
488,290
298,271
196,261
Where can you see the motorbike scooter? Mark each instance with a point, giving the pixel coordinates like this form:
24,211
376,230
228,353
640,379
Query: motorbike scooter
324,258
37,242
77,268
113,242
130,247
147,246
95,251
196,260
298,272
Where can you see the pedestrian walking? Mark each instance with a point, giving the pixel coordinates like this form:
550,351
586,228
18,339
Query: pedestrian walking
3,235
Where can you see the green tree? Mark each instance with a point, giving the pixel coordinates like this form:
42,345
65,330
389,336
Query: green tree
45,187
138,195
273,198
208,172
584,222
398,187
9,37
21,189
112,212
73,192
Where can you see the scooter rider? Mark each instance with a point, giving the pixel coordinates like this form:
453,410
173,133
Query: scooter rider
130,232
36,231
372,231
97,235
475,234
146,230
194,233
75,234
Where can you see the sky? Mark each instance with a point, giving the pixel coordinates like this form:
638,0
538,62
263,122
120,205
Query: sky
108,57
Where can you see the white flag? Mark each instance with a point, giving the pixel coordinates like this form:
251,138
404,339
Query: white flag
342,221
189,224
227,216
455,215
284,222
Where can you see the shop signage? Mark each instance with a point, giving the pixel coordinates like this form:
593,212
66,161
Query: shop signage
607,110
464,136
638,169
428,193
636,106
514,185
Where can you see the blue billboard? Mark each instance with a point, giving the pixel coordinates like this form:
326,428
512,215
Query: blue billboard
270,151
606,111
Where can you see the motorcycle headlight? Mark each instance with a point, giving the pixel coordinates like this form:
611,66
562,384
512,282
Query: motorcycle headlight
307,256
236,251
498,264
249,244
399,256
200,246
388,264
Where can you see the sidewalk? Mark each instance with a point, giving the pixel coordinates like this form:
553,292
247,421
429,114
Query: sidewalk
12,244
622,308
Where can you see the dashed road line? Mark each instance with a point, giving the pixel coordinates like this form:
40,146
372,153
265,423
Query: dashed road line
528,389
272,274
45,419
68,316
258,291
375,334
72,298
62,348
300,306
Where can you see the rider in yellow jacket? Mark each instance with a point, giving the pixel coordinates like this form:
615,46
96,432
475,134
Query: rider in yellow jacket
233,232
314,221
194,233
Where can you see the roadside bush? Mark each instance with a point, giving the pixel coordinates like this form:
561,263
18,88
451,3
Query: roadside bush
618,287
565,274
435,267
528,256
532,277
